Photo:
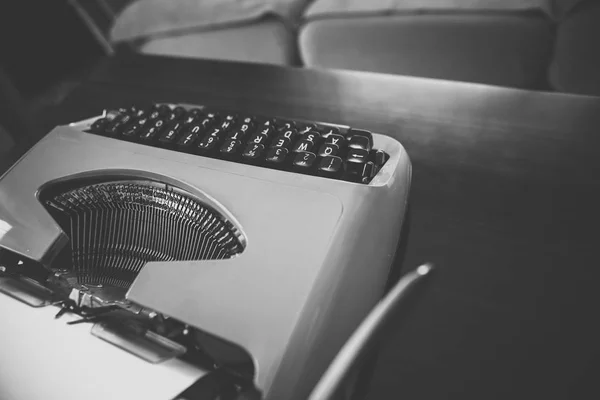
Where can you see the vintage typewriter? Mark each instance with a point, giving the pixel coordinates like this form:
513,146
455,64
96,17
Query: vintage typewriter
181,252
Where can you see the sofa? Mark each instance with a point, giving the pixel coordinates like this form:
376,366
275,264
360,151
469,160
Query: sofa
529,44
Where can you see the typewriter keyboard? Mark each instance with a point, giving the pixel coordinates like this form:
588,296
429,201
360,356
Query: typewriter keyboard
304,147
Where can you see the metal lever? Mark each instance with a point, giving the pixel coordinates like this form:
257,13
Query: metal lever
365,334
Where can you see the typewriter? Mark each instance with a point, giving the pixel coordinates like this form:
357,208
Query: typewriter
175,251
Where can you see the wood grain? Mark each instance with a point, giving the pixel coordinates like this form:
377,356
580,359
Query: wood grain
504,200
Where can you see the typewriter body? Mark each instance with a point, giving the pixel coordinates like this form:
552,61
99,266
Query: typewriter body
135,268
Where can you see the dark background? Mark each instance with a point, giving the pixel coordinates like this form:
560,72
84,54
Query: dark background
42,43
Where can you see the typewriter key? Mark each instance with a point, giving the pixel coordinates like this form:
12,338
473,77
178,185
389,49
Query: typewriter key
171,133
152,130
99,126
177,114
361,139
258,138
253,151
330,166
328,149
337,140
281,142
304,128
304,161
302,145
230,147
276,155
326,130
186,141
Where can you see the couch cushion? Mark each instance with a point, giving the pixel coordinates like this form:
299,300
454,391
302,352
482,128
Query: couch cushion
146,18
504,48
576,64
268,41
554,9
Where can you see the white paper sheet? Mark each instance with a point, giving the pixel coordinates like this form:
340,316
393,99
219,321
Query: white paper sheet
44,358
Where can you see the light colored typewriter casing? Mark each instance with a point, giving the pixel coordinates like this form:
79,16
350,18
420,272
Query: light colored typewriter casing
316,261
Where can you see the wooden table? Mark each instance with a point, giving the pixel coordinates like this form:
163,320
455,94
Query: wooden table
505,201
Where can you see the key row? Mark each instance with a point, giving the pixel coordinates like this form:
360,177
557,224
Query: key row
297,146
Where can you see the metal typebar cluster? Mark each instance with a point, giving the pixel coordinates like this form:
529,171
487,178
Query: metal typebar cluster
117,227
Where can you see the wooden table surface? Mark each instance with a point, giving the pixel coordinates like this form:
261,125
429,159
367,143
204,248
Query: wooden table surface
504,200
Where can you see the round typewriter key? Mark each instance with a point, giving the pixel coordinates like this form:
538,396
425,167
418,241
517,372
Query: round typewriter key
304,127
338,140
186,141
214,116
171,132
216,132
312,137
230,147
265,130
281,142
264,121
163,109
258,138
246,126
284,125
253,151
304,161
132,131
138,112
325,130
99,125
328,149
154,129
208,143
142,121
149,133
112,114
154,115
189,119
178,113
289,134
302,145
195,112
228,122
117,125
276,155
206,122
236,134
330,166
